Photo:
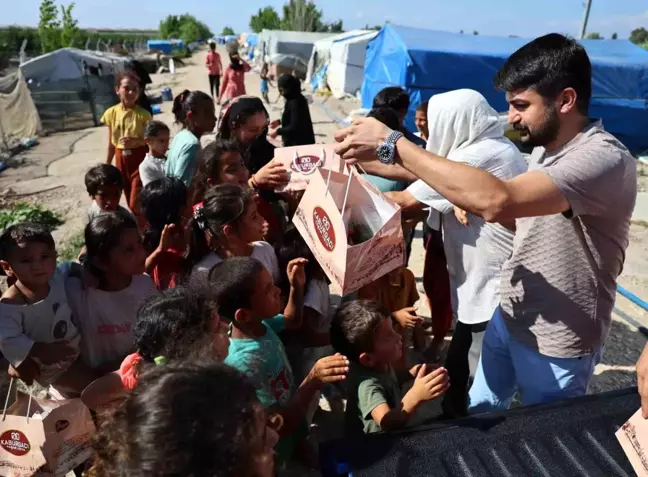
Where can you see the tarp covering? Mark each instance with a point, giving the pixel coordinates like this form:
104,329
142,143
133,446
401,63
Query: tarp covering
18,116
71,63
165,46
428,62
72,88
293,46
346,67
321,54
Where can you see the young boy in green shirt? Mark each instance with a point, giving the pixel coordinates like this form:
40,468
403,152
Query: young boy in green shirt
362,331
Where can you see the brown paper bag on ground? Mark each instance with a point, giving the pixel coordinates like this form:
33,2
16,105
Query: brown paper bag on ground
332,197
51,446
302,162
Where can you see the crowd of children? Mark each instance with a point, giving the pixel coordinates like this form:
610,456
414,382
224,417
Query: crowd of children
203,268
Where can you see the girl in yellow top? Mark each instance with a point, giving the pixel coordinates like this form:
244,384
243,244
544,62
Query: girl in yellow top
126,122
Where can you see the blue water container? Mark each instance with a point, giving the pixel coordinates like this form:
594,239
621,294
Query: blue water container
156,108
167,95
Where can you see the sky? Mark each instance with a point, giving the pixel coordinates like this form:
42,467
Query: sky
524,18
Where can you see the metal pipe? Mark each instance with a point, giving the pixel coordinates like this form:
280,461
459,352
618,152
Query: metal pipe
632,297
588,6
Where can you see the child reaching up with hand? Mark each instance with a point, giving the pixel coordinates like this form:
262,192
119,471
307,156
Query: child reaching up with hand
164,205
249,298
37,332
363,331
106,314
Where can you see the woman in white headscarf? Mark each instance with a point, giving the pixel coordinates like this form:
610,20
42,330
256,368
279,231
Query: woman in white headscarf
464,128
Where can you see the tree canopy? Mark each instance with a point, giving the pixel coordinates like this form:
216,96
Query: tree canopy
593,36
639,36
227,31
267,18
298,15
184,27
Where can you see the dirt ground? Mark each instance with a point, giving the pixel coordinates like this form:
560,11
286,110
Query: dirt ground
51,174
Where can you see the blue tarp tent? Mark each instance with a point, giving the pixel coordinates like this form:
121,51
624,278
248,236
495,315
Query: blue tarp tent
428,62
165,46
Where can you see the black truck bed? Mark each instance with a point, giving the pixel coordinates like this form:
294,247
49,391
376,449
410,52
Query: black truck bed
569,438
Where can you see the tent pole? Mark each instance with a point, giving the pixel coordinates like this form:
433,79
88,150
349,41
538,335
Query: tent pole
588,6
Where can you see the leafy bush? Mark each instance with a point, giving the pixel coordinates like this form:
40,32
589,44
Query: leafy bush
70,250
22,212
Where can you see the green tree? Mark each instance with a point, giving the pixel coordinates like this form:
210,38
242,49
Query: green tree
336,27
69,29
227,31
265,18
302,15
185,27
614,36
639,36
49,28
593,36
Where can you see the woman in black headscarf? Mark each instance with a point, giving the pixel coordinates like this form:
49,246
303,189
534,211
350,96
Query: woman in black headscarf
296,127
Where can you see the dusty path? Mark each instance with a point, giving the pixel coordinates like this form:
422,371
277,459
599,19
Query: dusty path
60,161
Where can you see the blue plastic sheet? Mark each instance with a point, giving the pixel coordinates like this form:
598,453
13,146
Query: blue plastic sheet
428,62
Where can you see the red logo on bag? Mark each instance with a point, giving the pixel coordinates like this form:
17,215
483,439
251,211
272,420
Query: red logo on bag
324,228
304,164
61,425
15,442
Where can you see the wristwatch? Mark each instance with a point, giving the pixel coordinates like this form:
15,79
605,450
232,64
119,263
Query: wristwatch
386,151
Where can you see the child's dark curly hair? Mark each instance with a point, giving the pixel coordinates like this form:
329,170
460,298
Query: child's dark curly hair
182,419
176,324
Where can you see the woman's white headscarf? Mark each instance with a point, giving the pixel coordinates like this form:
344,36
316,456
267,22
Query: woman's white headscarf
458,119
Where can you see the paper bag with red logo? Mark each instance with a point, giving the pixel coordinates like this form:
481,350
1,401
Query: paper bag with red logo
302,162
352,229
44,437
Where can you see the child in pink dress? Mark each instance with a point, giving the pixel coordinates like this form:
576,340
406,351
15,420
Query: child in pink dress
233,79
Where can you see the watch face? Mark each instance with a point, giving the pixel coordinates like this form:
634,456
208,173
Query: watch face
385,153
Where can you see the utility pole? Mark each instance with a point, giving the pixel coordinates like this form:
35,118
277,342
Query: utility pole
588,7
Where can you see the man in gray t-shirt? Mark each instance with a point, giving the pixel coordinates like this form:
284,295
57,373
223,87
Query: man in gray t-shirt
572,213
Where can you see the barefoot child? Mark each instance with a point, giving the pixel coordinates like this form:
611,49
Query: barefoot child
106,314
37,332
126,122
177,324
362,330
164,205
104,184
249,298
156,135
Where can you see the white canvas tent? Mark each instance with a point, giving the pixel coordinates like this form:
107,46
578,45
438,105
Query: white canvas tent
345,72
71,63
18,116
289,49
71,88
321,54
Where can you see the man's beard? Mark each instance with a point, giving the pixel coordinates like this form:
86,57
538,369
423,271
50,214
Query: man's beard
544,133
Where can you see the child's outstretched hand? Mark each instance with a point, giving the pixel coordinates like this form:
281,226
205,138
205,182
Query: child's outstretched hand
169,237
330,369
50,353
296,272
407,317
429,386
462,216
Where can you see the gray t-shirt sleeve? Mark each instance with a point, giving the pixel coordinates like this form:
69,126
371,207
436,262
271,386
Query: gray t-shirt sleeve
14,343
591,179
371,394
